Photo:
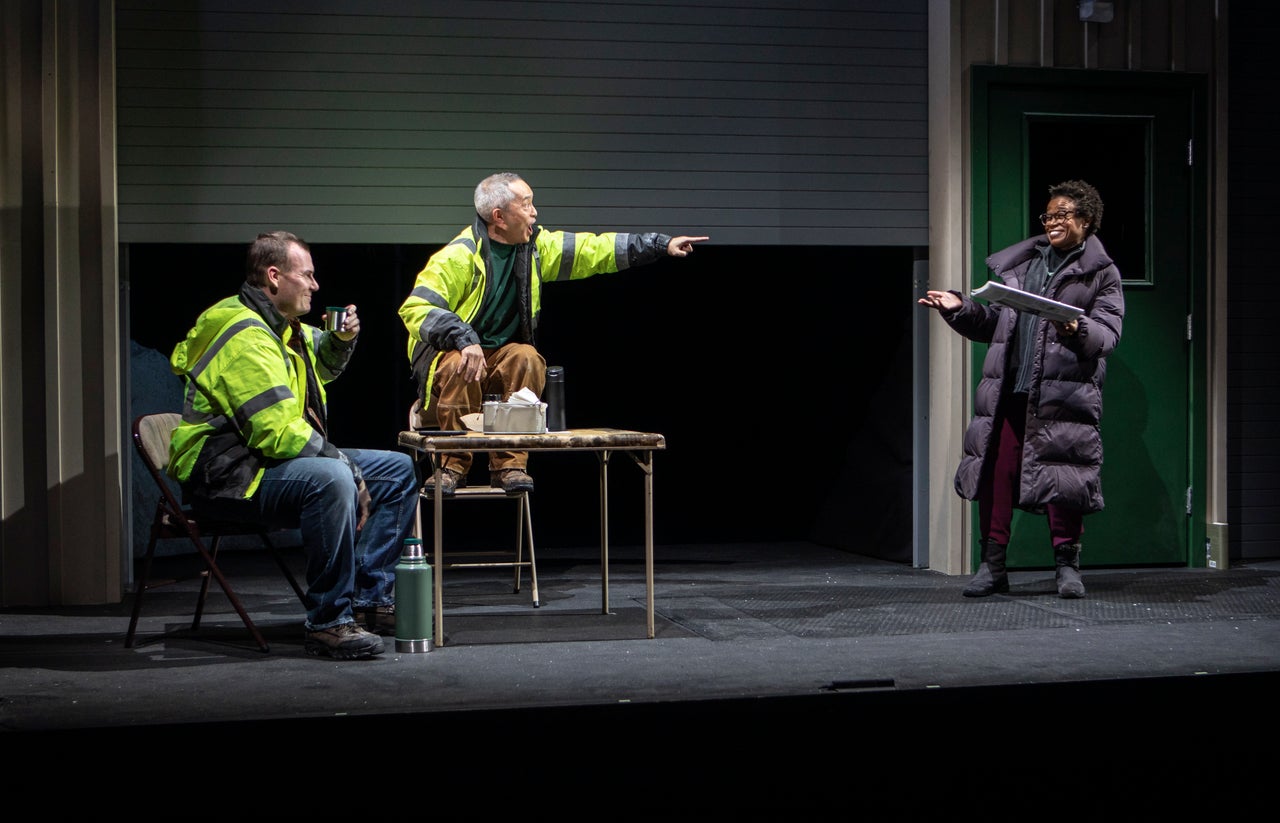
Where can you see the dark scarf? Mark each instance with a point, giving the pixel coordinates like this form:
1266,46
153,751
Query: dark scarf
253,297
315,408
1037,279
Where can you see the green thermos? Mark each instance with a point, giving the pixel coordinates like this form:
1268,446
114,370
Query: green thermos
413,599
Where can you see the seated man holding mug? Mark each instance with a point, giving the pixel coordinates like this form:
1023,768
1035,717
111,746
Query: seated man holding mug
252,446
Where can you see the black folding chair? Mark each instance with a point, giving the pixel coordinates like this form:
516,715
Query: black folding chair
151,435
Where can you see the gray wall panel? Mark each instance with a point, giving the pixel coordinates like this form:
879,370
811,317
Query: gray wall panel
372,121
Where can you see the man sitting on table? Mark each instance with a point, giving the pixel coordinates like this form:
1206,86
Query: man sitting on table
474,310
252,446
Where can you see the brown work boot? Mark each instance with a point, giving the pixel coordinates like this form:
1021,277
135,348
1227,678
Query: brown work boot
345,641
511,481
450,480
377,619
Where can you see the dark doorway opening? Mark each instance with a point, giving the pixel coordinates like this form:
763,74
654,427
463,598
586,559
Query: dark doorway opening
779,376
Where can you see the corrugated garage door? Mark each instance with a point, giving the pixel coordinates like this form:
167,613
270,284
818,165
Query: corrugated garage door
753,121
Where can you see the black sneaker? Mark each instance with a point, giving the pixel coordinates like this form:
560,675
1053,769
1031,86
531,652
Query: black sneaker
377,619
512,481
449,482
346,641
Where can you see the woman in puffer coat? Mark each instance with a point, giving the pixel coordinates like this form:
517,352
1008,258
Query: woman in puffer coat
1034,441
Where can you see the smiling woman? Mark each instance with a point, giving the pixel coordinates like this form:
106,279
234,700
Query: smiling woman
1074,212
1034,442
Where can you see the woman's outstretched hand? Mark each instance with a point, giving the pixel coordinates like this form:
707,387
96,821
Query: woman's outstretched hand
941,300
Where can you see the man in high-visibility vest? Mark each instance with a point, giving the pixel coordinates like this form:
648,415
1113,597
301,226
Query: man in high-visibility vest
474,309
252,446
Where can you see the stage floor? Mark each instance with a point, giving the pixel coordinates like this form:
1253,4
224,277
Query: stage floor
783,654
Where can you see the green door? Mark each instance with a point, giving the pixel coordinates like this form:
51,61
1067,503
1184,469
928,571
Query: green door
1133,137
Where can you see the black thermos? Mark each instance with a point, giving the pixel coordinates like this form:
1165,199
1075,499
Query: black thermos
554,397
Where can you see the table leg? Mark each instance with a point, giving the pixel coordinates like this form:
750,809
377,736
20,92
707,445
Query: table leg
647,466
645,461
604,531
438,529
417,518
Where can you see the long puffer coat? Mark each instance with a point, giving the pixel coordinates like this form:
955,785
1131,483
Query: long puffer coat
1062,449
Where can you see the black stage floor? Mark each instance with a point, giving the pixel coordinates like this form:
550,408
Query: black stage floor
780,673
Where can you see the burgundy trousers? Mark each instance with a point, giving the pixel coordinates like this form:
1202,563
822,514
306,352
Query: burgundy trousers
998,486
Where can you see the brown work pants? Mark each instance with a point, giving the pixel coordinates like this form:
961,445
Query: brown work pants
508,369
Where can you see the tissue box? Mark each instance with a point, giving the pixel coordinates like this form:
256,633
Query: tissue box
515,418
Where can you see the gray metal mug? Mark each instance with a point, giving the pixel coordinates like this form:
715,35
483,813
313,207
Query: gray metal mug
335,317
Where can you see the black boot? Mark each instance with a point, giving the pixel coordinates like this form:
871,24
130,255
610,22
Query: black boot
991,576
1066,558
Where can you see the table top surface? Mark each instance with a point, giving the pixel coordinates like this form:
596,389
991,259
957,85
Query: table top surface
568,440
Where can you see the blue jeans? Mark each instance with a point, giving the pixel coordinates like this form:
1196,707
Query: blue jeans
317,495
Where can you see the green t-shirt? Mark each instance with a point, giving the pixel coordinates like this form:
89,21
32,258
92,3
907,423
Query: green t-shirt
497,321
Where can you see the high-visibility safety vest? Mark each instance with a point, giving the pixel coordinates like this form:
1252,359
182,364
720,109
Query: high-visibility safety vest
450,289
245,395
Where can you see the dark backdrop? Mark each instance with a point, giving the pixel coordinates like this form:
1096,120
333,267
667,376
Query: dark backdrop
780,378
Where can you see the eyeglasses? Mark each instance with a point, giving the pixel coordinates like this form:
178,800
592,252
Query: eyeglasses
1057,217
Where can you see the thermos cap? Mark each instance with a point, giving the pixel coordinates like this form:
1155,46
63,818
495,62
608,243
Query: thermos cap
413,548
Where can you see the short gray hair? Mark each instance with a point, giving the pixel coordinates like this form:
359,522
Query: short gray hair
494,192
